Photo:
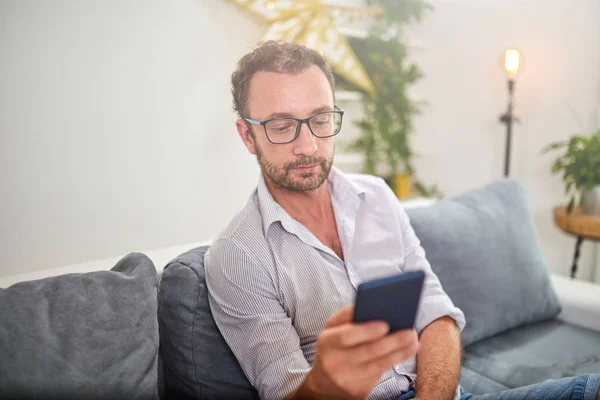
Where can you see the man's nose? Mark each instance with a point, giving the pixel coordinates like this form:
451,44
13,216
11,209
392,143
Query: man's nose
305,144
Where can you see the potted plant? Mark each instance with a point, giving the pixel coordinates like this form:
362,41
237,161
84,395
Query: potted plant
386,125
579,165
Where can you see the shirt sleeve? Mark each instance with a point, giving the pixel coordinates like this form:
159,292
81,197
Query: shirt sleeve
435,303
247,311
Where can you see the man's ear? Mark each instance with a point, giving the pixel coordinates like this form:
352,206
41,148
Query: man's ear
245,135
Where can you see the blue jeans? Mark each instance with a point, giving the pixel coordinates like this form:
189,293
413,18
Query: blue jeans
582,387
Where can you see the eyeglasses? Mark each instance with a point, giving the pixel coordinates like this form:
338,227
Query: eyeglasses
285,130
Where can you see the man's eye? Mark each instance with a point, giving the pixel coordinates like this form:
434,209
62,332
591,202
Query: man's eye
282,127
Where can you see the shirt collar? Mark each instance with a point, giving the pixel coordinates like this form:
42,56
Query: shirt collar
271,211
341,183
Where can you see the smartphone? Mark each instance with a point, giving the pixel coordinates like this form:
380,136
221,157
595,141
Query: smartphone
393,299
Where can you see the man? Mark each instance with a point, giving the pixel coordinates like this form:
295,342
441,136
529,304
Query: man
284,273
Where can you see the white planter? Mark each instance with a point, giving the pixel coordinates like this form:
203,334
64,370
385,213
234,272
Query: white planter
591,201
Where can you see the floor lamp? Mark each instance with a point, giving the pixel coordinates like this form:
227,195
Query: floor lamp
511,66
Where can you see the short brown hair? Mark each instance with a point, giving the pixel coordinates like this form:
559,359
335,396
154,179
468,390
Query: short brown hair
272,56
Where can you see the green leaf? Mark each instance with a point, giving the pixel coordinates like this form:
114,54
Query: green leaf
553,146
571,205
568,188
579,164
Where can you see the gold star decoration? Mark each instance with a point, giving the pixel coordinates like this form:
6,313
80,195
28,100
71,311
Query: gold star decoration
313,23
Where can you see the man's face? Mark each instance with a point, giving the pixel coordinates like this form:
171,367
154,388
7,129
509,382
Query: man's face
304,164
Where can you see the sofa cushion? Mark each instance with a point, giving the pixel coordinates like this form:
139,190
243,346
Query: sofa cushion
473,382
532,354
198,363
484,248
86,336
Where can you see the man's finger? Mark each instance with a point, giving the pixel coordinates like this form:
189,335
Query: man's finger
400,341
379,366
351,335
343,316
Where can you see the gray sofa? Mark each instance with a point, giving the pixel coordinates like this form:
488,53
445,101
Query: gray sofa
97,336
483,247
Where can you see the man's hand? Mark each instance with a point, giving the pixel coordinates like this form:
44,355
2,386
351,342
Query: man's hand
351,358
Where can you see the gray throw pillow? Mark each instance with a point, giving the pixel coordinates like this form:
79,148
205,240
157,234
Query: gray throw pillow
82,336
197,361
484,248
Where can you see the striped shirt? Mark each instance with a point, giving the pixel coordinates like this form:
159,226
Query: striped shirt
272,284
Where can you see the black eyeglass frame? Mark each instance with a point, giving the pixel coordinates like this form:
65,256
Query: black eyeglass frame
336,110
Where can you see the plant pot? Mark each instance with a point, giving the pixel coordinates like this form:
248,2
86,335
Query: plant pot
590,201
401,186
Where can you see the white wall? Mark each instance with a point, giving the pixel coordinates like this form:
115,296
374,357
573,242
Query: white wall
459,135
117,132
116,129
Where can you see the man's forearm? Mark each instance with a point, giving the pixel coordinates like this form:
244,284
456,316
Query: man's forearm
438,360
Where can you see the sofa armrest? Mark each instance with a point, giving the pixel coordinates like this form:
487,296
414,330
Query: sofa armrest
580,301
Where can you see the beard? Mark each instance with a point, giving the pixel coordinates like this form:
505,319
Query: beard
283,178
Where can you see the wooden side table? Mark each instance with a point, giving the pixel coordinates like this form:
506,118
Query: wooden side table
580,225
